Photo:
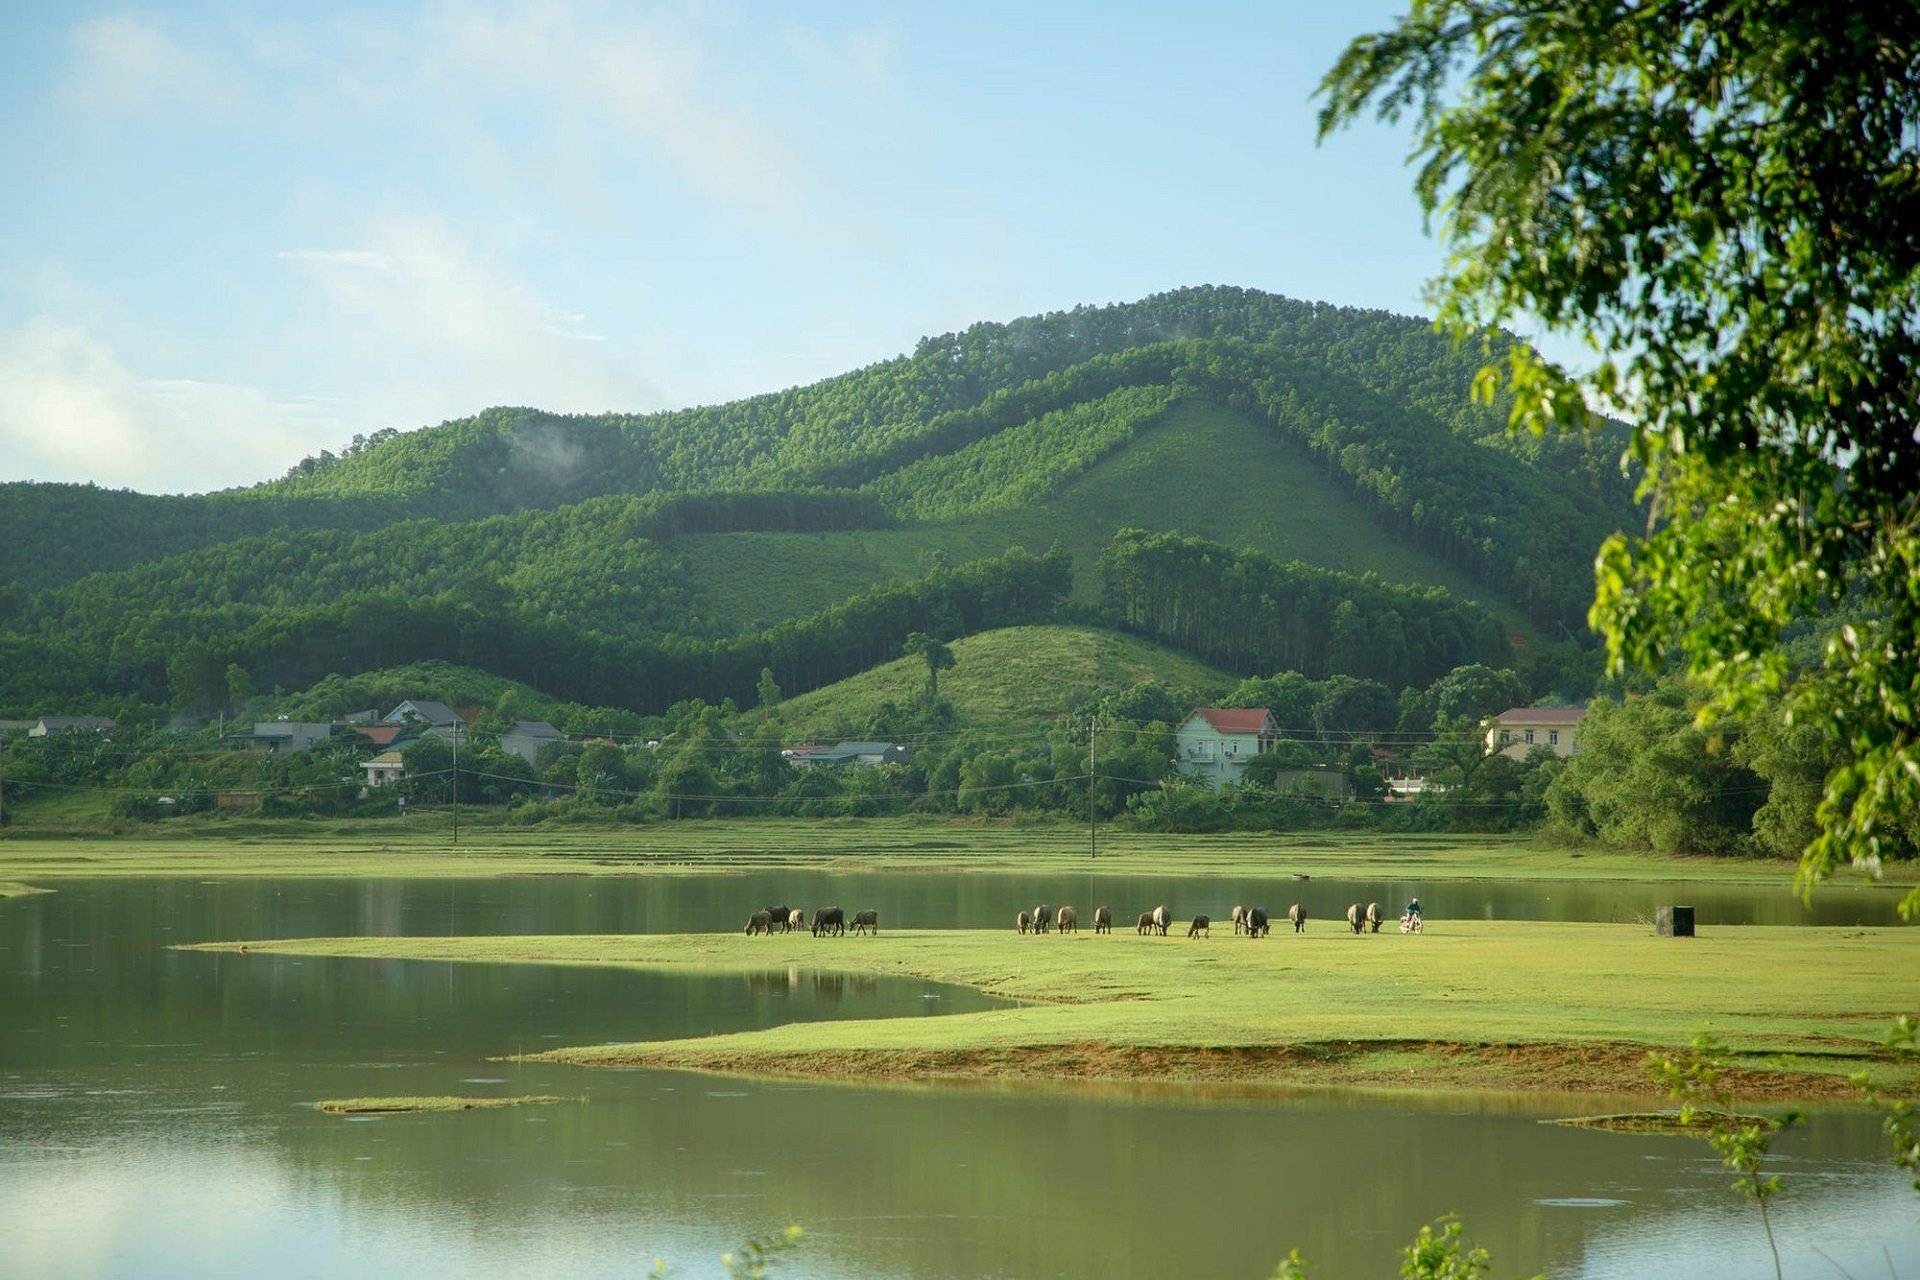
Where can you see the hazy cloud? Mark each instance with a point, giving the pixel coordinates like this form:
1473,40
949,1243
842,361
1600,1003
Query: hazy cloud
73,411
131,66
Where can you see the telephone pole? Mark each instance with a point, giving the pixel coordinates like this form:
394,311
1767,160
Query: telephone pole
1093,812
456,783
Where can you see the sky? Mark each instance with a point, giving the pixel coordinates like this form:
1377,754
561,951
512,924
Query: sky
236,234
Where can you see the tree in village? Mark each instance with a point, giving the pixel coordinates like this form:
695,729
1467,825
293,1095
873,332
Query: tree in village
1723,202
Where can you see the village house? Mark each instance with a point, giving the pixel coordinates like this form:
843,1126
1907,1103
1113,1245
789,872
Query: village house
46,725
388,766
866,754
437,719
1215,744
1517,731
526,737
281,737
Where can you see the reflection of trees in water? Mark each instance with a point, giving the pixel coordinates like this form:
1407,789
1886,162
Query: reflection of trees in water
824,984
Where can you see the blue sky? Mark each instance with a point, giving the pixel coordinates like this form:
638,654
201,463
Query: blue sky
236,234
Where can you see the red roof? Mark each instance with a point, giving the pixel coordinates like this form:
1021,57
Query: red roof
1237,720
381,734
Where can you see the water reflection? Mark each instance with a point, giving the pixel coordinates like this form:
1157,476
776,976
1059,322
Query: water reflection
155,1119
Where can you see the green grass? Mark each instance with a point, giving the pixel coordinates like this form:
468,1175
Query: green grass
1013,679
1203,470
1468,1003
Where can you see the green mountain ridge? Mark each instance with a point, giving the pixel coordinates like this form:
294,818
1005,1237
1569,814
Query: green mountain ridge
700,543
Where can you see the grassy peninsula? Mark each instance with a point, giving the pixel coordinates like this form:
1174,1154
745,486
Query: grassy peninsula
1470,1005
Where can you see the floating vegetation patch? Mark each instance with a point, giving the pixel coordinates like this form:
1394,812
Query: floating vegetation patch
1662,1122
14,889
398,1106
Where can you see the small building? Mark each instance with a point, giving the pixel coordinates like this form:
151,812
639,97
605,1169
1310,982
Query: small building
1517,731
284,736
380,735
388,766
865,754
433,713
1215,744
47,725
527,737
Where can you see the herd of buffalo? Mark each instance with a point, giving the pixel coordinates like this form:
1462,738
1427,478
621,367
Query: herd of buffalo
1251,921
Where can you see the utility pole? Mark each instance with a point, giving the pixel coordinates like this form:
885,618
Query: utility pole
456,784
1093,813
3,778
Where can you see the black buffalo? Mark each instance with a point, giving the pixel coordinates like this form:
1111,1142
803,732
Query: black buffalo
828,920
867,921
1257,922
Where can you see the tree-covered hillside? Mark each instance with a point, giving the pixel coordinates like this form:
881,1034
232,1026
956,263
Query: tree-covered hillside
633,561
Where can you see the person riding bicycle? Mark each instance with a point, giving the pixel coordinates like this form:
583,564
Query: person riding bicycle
1411,920
1413,908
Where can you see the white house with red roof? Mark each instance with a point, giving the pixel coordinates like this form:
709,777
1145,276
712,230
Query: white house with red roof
1517,731
1215,744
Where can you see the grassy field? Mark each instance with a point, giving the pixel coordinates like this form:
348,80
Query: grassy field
1467,1005
1013,680
421,845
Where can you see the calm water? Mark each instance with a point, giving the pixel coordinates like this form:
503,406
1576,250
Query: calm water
155,1115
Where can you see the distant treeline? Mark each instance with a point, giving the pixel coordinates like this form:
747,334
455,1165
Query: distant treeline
1247,613
194,663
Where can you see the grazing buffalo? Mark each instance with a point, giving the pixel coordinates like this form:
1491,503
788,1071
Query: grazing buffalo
1102,920
1042,918
1066,920
1373,917
829,920
779,916
1146,923
796,920
1023,922
759,922
1355,920
867,922
1256,922
1239,918
1161,919
1202,927
1298,915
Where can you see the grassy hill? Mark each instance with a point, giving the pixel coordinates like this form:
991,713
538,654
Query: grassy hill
630,560
1014,679
1200,469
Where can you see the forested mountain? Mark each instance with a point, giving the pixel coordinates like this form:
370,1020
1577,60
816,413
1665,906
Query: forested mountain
1331,457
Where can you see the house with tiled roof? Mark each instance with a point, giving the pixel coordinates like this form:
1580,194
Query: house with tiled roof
46,725
856,753
1214,745
1518,730
526,737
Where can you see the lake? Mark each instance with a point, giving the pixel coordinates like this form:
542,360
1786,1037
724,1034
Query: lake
156,1110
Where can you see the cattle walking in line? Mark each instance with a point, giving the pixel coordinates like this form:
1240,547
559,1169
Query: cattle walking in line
1023,922
759,922
796,920
1298,915
779,916
1102,920
1355,920
867,922
1373,917
1161,919
1042,918
1239,918
1146,923
1256,922
1202,927
829,920
1067,920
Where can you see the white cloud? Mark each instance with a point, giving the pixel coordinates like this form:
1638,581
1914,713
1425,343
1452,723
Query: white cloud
130,66
460,333
71,410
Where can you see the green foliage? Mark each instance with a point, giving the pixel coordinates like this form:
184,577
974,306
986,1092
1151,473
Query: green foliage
1647,777
1244,611
1721,201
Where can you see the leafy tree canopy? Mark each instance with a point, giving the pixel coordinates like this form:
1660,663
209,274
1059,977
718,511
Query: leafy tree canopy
1723,201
